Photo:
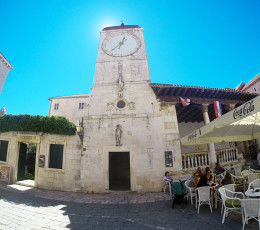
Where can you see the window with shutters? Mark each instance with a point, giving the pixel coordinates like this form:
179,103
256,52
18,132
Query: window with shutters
56,156
3,150
81,105
56,106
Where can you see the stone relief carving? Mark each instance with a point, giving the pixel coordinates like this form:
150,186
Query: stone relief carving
118,135
100,123
120,80
110,106
131,105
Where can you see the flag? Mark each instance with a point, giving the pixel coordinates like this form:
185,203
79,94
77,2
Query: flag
218,109
185,102
3,111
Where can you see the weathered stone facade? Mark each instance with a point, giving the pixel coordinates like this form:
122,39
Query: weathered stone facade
5,66
67,178
122,97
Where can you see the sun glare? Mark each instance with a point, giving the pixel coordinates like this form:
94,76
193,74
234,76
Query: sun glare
108,22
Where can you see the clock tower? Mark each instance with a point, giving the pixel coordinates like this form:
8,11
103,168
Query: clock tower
121,72
126,133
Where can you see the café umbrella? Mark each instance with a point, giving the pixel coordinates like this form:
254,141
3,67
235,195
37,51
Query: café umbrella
240,124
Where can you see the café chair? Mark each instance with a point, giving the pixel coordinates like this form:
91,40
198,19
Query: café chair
189,188
251,210
230,201
204,196
252,177
167,186
230,187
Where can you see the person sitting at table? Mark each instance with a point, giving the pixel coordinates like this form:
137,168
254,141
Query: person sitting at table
227,179
219,169
167,177
199,171
204,179
196,179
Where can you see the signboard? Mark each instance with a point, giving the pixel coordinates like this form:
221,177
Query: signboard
5,173
28,138
168,158
41,161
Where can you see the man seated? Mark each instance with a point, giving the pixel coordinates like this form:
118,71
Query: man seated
219,169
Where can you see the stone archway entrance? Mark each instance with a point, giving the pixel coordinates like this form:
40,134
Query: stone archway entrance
119,171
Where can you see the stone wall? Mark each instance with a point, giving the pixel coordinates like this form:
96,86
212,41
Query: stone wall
67,178
69,107
3,73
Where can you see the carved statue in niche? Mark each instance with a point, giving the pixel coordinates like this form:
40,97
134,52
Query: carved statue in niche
118,135
120,83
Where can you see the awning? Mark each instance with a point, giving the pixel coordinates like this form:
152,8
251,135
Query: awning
240,124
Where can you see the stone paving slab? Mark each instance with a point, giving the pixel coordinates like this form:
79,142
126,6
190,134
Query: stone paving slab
109,198
39,209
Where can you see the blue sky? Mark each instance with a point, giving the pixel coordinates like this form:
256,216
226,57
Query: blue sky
53,44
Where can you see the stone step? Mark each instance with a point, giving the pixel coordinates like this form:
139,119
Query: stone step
28,183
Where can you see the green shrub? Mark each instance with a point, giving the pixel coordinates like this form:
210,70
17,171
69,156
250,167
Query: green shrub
29,176
47,124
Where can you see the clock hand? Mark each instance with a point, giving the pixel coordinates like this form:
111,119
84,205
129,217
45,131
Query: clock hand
120,44
116,46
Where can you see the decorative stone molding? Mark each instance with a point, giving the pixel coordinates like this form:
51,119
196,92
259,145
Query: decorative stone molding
4,60
131,105
110,106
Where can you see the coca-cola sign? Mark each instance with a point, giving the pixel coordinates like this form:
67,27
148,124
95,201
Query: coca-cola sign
243,111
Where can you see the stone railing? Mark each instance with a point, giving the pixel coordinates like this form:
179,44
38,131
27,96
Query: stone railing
227,155
201,159
194,160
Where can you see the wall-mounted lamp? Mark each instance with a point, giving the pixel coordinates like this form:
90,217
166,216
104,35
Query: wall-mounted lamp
80,129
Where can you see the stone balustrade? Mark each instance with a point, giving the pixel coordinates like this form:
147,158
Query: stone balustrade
201,159
227,155
193,160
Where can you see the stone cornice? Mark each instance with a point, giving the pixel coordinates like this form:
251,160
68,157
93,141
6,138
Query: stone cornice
4,60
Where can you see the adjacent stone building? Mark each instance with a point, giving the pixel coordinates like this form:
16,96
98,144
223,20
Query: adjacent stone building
5,66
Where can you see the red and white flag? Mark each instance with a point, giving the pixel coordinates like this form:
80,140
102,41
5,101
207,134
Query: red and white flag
185,102
218,108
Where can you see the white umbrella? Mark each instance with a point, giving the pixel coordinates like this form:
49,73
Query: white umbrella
240,124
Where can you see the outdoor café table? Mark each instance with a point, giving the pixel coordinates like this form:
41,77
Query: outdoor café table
250,193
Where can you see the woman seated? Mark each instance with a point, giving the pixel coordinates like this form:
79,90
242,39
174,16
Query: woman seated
199,171
227,179
196,179
167,177
205,179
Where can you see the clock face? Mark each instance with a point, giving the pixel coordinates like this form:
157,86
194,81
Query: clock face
121,45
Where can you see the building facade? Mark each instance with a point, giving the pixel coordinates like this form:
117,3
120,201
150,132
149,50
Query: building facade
131,128
5,66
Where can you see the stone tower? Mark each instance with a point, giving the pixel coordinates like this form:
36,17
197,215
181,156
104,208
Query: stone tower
126,131
121,74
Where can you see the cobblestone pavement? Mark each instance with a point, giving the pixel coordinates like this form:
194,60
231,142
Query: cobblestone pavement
42,209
